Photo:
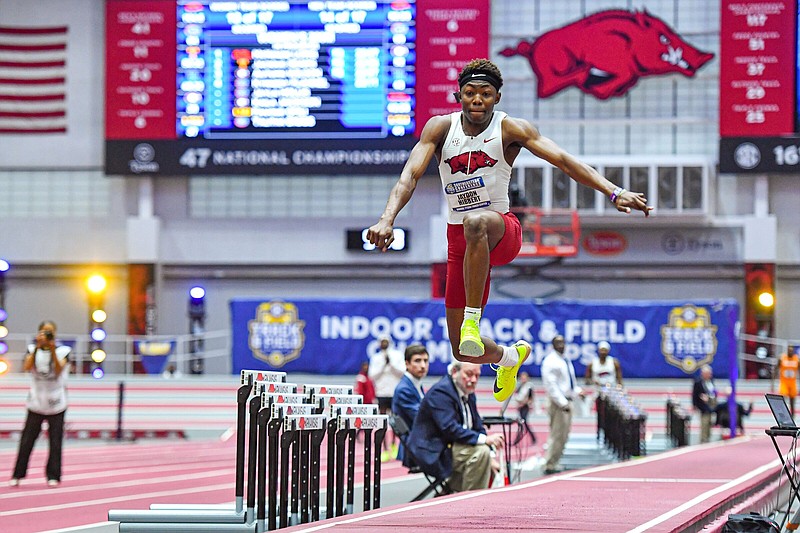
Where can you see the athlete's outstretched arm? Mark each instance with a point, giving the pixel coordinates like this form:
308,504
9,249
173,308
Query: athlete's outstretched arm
381,233
525,134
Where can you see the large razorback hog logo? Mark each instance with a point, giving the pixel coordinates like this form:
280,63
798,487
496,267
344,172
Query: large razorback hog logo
469,162
606,53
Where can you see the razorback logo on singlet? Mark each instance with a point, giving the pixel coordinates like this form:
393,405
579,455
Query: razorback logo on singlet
469,162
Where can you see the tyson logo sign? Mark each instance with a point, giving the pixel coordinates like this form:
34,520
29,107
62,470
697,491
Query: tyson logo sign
606,53
605,243
469,162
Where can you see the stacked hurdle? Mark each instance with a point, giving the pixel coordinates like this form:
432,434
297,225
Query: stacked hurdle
281,428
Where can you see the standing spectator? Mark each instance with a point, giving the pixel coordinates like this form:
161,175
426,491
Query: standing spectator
523,398
364,385
558,377
47,400
409,392
704,400
788,367
448,437
604,369
385,370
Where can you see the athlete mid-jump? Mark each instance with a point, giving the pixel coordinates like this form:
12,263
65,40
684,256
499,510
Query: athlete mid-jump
476,148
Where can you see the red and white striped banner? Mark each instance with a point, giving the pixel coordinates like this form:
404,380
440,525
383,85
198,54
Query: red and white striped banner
33,79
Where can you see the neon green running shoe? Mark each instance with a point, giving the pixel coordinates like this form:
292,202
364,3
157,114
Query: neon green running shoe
506,380
471,343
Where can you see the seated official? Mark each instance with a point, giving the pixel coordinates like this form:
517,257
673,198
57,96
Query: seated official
448,439
408,394
723,416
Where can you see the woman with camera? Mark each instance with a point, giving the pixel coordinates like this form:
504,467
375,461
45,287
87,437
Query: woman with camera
47,400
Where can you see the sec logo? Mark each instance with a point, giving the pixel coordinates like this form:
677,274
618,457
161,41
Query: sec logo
747,155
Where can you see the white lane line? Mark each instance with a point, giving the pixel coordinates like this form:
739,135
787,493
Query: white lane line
704,496
126,498
118,484
649,480
156,469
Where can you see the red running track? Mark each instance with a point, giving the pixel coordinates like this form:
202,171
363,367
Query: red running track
661,493
123,476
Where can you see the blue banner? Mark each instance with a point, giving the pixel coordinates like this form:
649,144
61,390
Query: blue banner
652,339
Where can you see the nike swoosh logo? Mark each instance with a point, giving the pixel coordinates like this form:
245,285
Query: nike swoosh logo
489,140
496,389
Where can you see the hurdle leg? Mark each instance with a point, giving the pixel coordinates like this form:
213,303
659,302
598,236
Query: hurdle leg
330,481
316,443
273,429
295,504
376,476
367,469
341,437
351,469
305,463
263,440
242,394
255,405
287,439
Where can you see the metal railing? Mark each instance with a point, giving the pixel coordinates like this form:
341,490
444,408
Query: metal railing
122,355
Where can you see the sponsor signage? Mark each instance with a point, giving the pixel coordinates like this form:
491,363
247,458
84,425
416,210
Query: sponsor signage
450,33
661,245
140,78
651,338
757,67
199,87
754,155
219,157
604,243
758,87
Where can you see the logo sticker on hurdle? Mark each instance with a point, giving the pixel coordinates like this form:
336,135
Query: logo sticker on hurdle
272,387
362,421
269,398
262,375
335,410
329,389
293,409
304,422
328,399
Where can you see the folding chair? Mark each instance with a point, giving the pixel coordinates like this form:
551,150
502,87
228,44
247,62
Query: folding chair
438,486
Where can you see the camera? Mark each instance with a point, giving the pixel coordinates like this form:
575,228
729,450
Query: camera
48,335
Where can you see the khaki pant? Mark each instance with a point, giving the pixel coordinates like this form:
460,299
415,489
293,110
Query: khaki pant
560,424
472,467
705,426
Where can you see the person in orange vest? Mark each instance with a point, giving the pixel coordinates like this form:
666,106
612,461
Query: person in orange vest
788,369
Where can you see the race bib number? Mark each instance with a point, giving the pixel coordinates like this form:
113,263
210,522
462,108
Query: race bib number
788,374
467,195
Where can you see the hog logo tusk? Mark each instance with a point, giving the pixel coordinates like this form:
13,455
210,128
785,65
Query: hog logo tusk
674,56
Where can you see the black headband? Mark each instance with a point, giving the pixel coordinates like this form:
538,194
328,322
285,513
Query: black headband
479,75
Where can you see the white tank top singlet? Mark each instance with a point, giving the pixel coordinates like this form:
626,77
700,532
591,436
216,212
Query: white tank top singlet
473,170
605,374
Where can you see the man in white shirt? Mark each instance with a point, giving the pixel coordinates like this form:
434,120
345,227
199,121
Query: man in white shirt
558,377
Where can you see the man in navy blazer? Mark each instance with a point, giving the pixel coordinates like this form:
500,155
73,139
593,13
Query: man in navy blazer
448,438
408,393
